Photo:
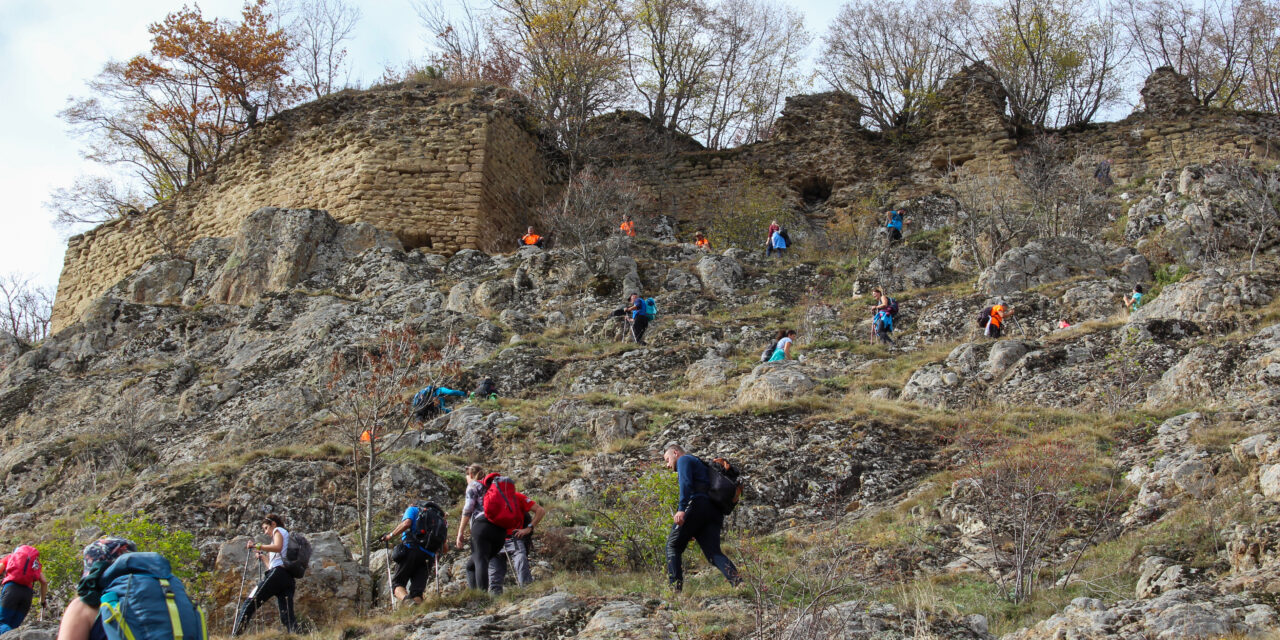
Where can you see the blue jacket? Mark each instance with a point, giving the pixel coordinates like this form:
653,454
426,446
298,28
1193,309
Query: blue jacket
694,479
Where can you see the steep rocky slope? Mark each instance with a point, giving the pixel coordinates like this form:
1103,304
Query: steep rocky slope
200,391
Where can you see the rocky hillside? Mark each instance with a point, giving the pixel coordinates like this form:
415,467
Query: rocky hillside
884,495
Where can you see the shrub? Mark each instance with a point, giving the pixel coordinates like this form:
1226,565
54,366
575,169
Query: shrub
636,520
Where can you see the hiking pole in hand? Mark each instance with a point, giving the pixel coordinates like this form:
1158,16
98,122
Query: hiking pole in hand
437,561
240,596
391,590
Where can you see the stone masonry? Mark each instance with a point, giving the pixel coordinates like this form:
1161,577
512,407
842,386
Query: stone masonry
446,169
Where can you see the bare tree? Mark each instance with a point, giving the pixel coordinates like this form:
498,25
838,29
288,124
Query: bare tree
587,215
371,389
573,54
892,56
1059,61
1210,41
319,29
26,307
992,219
670,54
1060,188
93,200
1262,90
467,45
1256,196
758,49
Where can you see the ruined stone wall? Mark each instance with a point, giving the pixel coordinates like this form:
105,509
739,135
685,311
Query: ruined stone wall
445,169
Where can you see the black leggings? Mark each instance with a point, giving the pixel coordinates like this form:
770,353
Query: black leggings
279,583
486,545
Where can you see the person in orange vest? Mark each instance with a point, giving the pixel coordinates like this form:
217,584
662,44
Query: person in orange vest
993,317
628,225
531,239
701,240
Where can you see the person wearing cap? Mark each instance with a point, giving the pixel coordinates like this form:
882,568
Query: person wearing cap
80,619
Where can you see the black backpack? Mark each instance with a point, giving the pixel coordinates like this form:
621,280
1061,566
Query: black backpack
297,555
430,529
724,484
426,404
984,317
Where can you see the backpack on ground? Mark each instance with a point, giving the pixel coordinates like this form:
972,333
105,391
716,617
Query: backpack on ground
22,566
143,600
893,308
297,555
500,507
430,529
724,484
426,404
650,307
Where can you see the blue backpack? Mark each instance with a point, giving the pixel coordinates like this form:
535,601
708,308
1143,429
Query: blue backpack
425,403
650,307
143,600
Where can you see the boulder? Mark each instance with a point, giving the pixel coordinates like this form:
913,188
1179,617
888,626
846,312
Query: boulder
720,275
492,295
610,425
1269,480
159,281
774,382
1005,354
1205,298
711,371
898,269
929,384
630,620
1157,575
1040,262
335,587
1092,300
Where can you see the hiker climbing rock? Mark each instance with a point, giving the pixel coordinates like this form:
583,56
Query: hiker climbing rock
700,240
993,318
782,345
531,239
485,390
640,311
894,225
883,314
423,532
628,225
278,582
429,401
696,518
21,570
1133,299
503,514
778,242
472,508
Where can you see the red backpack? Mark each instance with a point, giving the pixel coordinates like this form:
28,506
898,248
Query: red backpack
500,503
22,566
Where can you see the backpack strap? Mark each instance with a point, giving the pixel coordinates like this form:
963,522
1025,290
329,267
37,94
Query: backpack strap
110,612
175,618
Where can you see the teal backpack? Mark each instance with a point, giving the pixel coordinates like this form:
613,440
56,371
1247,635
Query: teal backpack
143,600
650,307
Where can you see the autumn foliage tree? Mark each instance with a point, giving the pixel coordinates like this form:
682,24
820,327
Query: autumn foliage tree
165,116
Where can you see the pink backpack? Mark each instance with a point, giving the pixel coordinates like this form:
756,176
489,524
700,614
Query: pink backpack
22,566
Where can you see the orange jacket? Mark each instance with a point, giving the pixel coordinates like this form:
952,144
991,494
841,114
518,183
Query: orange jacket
997,315
703,242
628,227
531,238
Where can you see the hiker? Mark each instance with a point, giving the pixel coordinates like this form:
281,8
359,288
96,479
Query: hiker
277,582
640,311
894,226
701,241
782,345
531,239
992,319
628,225
1063,324
696,518
516,552
472,508
1134,298
423,531
882,315
20,570
80,619
429,401
502,512
486,390
777,242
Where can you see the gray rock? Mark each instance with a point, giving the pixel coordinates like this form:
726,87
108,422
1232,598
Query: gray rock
711,371
898,269
1040,262
720,275
610,425
1157,575
774,382
1005,354
159,281
627,620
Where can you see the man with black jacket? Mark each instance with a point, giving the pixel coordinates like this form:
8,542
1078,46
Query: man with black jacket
696,518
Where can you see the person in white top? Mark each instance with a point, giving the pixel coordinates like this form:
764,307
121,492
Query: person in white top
277,581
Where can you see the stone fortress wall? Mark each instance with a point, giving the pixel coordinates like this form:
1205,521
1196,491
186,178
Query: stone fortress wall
444,169
820,154
466,168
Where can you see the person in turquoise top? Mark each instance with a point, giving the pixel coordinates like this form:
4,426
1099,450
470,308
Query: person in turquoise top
782,349
894,225
1134,299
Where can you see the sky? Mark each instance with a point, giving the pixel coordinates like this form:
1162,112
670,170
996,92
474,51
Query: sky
49,50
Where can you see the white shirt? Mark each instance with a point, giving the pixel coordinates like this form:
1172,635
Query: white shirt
275,559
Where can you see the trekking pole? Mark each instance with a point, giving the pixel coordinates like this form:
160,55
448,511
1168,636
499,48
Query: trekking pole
1020,329
240,596
391,590
437,561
